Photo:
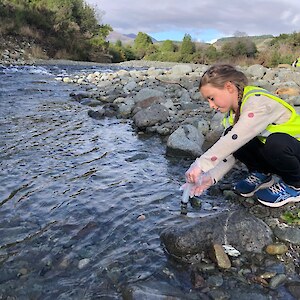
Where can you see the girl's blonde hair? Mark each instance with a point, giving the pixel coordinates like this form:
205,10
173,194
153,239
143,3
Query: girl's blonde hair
218,75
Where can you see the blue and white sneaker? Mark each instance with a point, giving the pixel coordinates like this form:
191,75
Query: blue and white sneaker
278,194
254,182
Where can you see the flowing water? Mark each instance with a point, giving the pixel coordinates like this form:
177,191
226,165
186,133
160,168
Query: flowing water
82,201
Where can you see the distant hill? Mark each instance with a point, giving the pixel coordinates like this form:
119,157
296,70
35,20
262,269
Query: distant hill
124,38
261,41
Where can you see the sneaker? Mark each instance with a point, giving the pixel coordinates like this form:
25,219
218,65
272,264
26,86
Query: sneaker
254,182
278,194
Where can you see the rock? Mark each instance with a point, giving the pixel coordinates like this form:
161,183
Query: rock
276,249
155,114
256,71
147,103
153,290
287,233
130,86
83,262
294,288
215,280
288,91
181,69
219,256
141,217
90,102
237,228
277,280
147,93
185,141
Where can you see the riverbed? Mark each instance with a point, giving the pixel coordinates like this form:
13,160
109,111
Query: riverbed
82,201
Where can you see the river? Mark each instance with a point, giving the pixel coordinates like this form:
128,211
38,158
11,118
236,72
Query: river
82,201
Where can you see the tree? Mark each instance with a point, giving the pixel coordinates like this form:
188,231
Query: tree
187,46
141,44
167,46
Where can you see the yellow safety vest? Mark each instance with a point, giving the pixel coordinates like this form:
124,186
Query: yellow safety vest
298,62
291,127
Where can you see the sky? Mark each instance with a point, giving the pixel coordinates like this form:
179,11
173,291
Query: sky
204,20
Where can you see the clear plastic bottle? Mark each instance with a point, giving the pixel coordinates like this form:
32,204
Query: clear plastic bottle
187,194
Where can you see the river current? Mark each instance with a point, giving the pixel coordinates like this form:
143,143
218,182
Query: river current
82,201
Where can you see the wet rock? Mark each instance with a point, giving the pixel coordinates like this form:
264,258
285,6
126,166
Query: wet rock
276,249
185,141
277,280
83,263
294,288
153,290
215,280
287,233
79,96
197,280
237,228
219,256
90,102
155,114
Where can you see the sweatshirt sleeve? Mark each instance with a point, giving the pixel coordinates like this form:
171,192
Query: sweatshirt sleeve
257,113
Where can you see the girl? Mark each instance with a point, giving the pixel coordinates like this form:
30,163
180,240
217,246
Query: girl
261,130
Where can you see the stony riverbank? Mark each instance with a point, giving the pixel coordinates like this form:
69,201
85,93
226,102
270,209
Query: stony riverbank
164,99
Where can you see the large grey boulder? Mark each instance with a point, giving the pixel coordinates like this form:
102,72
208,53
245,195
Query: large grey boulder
238,228
185,141
152,115
147,93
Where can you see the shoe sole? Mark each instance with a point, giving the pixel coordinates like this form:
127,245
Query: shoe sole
281,203
262,186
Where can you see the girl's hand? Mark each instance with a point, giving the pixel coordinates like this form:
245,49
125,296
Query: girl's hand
192,175
204,183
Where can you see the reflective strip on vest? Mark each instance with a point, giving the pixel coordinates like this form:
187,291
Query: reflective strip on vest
291,127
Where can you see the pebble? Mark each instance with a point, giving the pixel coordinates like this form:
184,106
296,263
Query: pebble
277,249
220,257
141,217
83,262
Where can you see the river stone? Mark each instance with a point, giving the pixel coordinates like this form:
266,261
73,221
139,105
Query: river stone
152,115
219,256
287,233
147,93
294,289
276,249
181,69
256,71
153,290
238,228
185,141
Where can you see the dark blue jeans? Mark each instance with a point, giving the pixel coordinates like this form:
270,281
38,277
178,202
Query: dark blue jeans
280,155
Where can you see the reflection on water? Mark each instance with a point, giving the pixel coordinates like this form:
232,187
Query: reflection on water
72,190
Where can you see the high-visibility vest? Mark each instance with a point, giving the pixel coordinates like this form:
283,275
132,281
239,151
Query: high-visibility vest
291,127
298,62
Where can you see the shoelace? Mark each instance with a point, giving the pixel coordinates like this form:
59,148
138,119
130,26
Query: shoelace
278,189
252,179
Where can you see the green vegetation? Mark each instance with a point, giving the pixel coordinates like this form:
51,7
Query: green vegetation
240,49
62,28
69,29
291,217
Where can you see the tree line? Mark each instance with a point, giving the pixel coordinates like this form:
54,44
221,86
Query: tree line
242,49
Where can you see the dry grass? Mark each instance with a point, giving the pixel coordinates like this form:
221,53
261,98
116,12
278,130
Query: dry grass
29,32
36,52
62,54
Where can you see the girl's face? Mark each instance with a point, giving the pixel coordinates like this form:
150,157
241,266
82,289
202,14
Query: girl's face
223,99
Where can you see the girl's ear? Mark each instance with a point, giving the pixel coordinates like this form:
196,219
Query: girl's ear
230,86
